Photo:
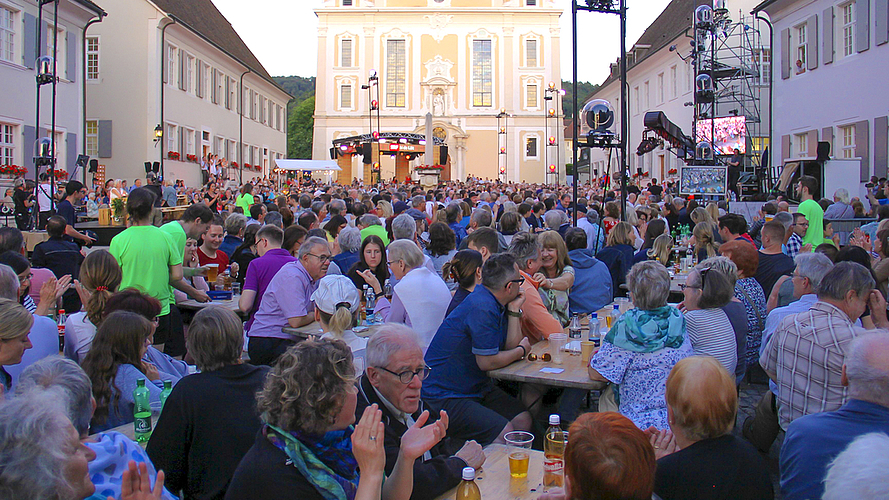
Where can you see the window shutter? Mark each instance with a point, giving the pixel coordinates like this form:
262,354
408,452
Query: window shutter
827,35
182,70
72,152
881,22
812,142
214,92
881,146
785,54
182,151
812,42
29,136
105,139
29,49
199,78
862,26
827,136
862,149
71,51
785,147
164,63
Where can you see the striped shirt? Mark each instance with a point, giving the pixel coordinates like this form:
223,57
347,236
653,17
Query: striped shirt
711,334
805,355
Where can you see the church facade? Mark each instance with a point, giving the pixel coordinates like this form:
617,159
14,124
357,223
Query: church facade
486,70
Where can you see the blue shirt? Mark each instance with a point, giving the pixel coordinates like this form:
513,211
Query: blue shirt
476,327
230,244
774,319
813,441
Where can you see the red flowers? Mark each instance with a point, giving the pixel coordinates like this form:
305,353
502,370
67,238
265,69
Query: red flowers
14,169
173,155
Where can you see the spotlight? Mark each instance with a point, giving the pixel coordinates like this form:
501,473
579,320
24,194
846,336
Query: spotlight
374,104
552,112
552,141
503,151
552,169
376,135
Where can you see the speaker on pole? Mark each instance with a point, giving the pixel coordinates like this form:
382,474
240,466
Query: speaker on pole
366,153
94,166
823,151
442,156
333,153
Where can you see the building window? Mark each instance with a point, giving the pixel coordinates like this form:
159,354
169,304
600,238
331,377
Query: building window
637,100
530,147
482,73
801,48
189,73
92,138
764,62
189,141
847,133
345,97
220,146
60,54
346,53
254,104
262,109
232,93
7,34
531,96
847,28
674,83
660,88
220,86
230,148
270,114
802,145
530,3
347,3
646,95
171,63
531,53
395,73
92,58
280,116
7,144
172,138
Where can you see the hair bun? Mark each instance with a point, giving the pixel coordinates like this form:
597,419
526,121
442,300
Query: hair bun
344,304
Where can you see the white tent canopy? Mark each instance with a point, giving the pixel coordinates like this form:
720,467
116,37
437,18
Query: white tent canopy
312,165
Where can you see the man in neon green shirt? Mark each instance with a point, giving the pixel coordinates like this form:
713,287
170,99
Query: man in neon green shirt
150,262
245,199
807,187
193,224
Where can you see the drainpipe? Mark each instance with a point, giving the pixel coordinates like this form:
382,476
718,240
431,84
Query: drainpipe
83,88
771,91
241,129
163,87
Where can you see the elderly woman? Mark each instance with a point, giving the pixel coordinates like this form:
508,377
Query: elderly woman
510,224
618,253
336,309
840,208
349,243
419,299
14,341
113,450
115,363
708,289
750,293
372,258
556,275
642,347
710,462
442,245
200,454
307,447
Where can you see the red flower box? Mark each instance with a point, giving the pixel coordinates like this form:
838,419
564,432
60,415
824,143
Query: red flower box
61,174
234,164
192,158
173,155
13,169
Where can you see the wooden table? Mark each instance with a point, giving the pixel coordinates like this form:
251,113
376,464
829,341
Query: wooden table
195,305
495,482
575,374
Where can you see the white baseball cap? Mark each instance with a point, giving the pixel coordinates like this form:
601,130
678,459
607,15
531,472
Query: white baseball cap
336,290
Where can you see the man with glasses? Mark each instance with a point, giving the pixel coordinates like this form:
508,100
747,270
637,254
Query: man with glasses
392,380
271,258
795,243
287,301
483,333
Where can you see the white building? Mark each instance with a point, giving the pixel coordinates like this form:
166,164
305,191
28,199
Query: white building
659,79
182,65
18,98
461,60
833,58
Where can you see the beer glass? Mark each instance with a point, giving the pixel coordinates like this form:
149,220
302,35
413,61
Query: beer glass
518,445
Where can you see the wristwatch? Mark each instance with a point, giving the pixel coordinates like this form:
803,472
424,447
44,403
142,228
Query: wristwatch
517,314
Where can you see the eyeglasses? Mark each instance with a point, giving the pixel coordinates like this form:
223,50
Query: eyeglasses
520,280
407,376
321,258
389,263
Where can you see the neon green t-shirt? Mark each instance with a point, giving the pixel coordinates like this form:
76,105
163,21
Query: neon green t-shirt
145,254
815,215
245,201
178,237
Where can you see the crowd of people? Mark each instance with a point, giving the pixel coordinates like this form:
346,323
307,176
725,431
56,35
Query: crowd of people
458,281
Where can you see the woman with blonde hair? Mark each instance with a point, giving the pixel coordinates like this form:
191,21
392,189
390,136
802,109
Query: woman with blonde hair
661,250
618,253
100,276
14,341
384,209
704,243
713,210
336,309
556,275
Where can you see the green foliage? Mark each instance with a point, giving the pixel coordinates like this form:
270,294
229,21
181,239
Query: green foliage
584,90
299,87
300,125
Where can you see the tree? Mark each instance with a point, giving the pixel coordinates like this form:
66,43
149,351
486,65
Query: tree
300,125
584,90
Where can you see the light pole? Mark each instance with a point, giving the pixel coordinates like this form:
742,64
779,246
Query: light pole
373,81
551,100
502,140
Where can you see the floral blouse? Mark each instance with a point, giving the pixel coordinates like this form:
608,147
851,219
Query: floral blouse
756,315
556,301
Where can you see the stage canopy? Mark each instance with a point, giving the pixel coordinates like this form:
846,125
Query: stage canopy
312,165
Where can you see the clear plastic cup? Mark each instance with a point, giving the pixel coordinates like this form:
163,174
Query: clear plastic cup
519,445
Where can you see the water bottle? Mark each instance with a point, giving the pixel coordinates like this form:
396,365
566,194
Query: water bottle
168,388
387,289
141,412
594,328
63,318
370,302
574,327
468,490
613,315
553,452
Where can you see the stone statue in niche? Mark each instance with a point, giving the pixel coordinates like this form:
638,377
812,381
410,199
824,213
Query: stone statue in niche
438,104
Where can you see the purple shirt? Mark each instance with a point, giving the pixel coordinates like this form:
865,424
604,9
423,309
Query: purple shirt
260,273
289,295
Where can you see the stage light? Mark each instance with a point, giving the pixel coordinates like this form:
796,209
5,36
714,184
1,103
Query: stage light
374,104
552,85
552,112
502,150
502,130
552,141
552,169
376,135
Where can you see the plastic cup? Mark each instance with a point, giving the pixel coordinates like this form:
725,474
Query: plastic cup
586,350
236,289
557,344
212,272
519,452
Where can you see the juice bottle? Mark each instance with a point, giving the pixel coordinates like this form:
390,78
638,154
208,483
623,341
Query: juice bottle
613,315
553,451
468,490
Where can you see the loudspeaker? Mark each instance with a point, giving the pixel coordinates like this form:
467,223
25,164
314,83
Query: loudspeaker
442,155
94,166
823,151
147,167
156,167
366,153
82,161
333,153
639,171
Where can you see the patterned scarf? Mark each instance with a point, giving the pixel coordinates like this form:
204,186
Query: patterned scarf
648,331
325,460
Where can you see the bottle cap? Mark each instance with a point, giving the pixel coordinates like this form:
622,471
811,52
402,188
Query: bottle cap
554,419
616,306
468,474
61,311
140,382
594,315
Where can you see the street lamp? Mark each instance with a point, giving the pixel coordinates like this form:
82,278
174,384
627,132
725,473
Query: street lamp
502,138
158,134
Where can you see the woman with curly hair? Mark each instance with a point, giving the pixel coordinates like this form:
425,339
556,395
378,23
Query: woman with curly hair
99,278
442,245
308,448
115,363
